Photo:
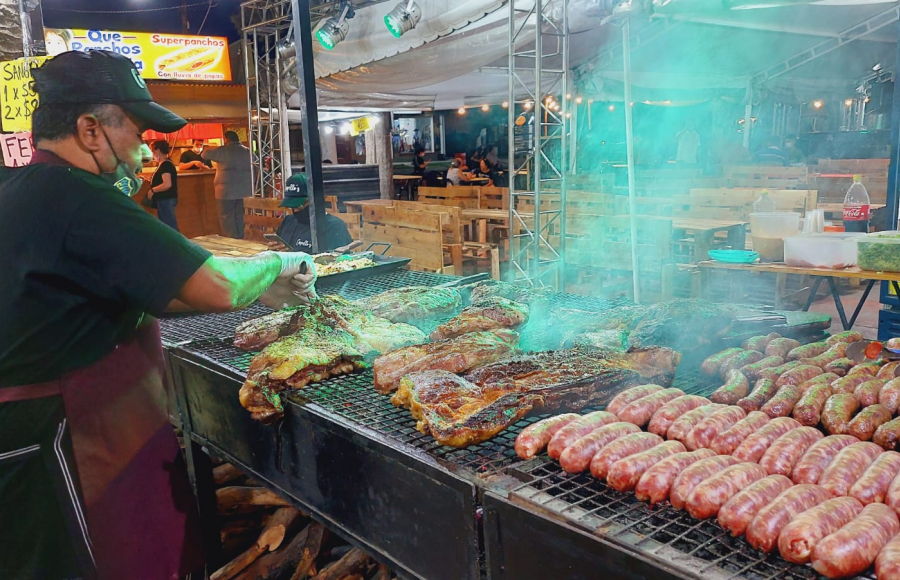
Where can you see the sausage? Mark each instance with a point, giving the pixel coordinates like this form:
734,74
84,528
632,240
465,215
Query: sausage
710,365
577,456
810,350
692,475
753,370
625,473
535,437
853,548
640,411
888,371
783,402
736,387
728,441
798,375
710,427
840,367
887,564
775,372
849,383
759,342
763,531
737,361
847,336
621,448
890,395
707,498
823,379
888,435
864,425
868,392
873,486
684,424
781,347
631,395
763,390
838,411
655,484
739,511
848,466
785,451
576,430
755,446
834,353
892,499
808,409
798,539
867,368
810,467
671,411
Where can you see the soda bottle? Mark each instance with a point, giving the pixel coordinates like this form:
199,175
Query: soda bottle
764,203
856,207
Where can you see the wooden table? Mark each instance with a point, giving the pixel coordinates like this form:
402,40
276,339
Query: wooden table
229,247
406,183
819,274
704,232
357,206
480,217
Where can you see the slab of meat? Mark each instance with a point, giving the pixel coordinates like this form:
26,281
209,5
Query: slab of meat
763,531
853,548
655,484
455,355
873,486
413,303
799,538
848,466
887,564
620,449
631,395
813,463
577,457
753,448
670,412
257,333
711,494
459,411
487,289
727,441
535,437
640,411
488,314
625,474
710,427
785,451
583,426
694,474
739,511
684,424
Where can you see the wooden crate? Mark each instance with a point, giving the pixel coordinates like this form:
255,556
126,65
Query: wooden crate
412,234
262,215
736,204
765,176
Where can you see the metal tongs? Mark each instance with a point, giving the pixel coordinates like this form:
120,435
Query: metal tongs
870,350
330,257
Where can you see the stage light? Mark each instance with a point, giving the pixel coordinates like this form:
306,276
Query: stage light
505,104
527,105
461,111
849,102
568,96
485,108
329,129
612,107
403,18
334,30
818,104
578,100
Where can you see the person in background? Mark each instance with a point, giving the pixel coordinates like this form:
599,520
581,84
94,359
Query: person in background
492,157
233,183
688,140
793,153
193,157
474,160
419,163
296,230
772,153
456,175
164,185
93,483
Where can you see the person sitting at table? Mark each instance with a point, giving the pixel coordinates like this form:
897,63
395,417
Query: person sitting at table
295,229
476,157
419,163
492,157
457,175
193,158
772,154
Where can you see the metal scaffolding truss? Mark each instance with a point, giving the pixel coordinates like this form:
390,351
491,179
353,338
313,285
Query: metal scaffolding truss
538,147
264,24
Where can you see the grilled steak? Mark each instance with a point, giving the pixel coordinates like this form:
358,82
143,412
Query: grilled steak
481,291
460,411
488,314
413,303
455,355
257,333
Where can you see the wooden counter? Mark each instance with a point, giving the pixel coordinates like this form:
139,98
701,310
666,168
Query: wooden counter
196,210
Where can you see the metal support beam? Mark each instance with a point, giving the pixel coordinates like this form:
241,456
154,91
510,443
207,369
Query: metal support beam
614,54
893,194
629,150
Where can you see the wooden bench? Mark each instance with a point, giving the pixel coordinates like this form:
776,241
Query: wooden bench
414,234
462,196
766,176
736,204
262,215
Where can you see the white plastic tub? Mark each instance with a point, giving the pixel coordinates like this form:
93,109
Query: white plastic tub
828,250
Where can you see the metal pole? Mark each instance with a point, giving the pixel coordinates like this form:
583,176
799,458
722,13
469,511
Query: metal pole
893,195
511,137
564,149
538,139
629,141
309,116
748,112
284,129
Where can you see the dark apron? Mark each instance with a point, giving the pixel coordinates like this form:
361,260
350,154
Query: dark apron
139,507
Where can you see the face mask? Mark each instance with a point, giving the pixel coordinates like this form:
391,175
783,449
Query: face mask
198,149
122,177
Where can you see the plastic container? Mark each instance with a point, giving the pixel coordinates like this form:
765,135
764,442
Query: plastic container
768,231
764,203
832,250
733,256
880,251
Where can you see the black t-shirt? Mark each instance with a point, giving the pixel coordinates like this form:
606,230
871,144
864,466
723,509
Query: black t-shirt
419,165
295,230
189,155
172,193
81,264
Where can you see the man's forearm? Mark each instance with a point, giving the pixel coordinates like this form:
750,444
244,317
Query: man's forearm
248,278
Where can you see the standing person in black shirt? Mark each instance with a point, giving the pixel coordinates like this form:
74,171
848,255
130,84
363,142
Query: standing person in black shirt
164,185
419,163
193,158
295,229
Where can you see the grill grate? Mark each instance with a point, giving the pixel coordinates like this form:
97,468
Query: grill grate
658,531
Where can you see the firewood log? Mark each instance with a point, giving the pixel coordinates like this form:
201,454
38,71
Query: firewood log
225,473
315,537
240,499
354,561
280,562
383,573
269,540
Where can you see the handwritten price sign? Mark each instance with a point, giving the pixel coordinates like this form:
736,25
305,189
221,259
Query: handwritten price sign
17,149
17,99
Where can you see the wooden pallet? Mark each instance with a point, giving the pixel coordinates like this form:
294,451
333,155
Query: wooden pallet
412,234
736,204
764,176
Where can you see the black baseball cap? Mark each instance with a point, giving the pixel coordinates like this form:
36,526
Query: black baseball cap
101,77
295,191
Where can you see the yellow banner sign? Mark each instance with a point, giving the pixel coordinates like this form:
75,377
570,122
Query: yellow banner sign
358,126
17,99
157,56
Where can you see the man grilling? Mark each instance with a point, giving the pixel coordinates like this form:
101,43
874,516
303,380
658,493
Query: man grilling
92,481
296,230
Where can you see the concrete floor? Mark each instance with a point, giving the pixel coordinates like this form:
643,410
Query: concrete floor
866,323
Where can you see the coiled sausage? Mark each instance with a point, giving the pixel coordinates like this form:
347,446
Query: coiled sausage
625,473
798,375
683,425
781,347
887,564
868,392
755,446
736,387
576,430
848,466
577,456
753,370
763,531
873,486
848,384
711,494
785,451
763,390
783,402
888,435
656,483
810,350
535,437
728,441
808,410
739,511
810,467
671,411
710,427
759,342
798,539
840,367
736,362
838,411
631,395
890,395
692,475
847,336
853,548
710,365
621,448
864,425
640,411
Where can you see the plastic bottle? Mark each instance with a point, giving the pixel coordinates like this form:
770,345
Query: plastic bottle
764,203
856,207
